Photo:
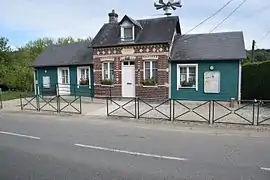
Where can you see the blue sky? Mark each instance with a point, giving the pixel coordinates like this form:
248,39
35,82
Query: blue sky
25,20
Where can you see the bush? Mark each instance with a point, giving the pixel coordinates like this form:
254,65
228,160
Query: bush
256,81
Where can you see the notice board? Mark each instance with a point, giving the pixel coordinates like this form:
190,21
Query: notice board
46,82
212,82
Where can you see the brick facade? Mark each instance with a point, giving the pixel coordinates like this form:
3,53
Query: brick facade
138,54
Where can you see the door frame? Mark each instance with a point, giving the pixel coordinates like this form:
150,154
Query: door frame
59,80
130,63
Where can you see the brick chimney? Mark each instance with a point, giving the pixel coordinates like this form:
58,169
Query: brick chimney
113,17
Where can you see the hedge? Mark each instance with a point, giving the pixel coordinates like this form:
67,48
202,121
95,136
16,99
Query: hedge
256,81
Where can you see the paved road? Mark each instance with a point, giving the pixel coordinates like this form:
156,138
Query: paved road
47,147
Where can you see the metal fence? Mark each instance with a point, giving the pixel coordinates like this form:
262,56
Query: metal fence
248,112
57,103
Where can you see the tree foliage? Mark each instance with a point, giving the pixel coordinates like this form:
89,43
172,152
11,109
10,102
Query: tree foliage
255,79
259,55
15,66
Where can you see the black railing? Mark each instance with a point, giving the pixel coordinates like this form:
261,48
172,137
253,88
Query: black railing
121,107
263,112
152,108
248,112
193,112
58,104
243,113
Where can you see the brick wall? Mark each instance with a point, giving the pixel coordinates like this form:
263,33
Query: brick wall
140,53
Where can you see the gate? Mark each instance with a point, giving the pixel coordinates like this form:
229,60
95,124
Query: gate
121,107
243,113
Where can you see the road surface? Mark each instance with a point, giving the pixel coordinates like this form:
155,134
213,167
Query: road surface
49,147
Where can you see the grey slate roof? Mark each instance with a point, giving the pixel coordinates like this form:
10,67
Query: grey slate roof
157,30
77,53
131,20
215,46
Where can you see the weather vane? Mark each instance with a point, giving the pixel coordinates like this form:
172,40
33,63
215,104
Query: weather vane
167,6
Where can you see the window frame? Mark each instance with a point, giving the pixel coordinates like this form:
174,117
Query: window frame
151,69
179,72
123,27
108,63
65,77
79,74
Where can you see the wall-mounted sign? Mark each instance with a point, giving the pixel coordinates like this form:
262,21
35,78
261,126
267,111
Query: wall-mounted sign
46,82
127,51
212,82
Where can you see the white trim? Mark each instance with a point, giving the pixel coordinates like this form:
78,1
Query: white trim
106,59
239,80
109,73
59,74
178,75
150,58
128,25
151,68
135,54
171,45
170,80
35,82
79,68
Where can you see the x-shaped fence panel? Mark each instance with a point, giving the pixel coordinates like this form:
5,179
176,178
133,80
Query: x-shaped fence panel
192,111
154,108
263,113
122,107
243,113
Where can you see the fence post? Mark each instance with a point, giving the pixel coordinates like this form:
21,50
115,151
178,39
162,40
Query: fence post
37,102
107,103
253,111
138,100
170,109
258,112
21,101
173,109
1,101
210,112
213,112
57,98
80,104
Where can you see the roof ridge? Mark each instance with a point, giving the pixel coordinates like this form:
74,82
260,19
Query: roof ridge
166,17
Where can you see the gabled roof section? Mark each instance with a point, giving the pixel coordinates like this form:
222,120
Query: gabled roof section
77,53
215,46
134,22
157,30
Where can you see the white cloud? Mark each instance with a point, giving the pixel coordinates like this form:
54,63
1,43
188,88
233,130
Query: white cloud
83,18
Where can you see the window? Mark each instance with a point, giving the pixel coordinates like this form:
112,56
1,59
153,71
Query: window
108,71
187,76
150,70
83,75
65,78
127,33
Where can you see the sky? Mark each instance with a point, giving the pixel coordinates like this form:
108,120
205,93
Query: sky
24,20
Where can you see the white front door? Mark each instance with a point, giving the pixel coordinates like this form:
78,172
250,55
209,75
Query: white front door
63,81
128,79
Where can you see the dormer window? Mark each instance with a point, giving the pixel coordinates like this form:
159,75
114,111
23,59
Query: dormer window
127,32
128,28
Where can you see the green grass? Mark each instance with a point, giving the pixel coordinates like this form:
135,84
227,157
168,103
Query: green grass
9,95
